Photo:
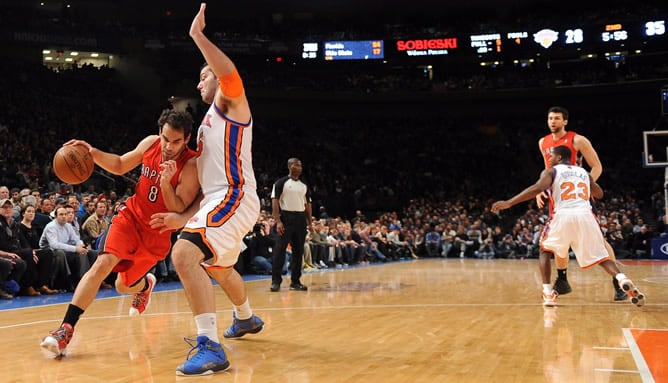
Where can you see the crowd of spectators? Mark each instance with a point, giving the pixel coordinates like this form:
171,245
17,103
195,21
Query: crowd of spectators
51,238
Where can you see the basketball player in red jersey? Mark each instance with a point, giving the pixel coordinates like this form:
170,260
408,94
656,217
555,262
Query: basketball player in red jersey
168,182
557,119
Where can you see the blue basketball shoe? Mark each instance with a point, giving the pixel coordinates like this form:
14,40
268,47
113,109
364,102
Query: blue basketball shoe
209,358
240,327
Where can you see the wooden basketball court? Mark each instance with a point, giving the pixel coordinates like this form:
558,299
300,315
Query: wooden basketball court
419,321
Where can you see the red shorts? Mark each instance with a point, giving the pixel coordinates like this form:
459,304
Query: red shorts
137,245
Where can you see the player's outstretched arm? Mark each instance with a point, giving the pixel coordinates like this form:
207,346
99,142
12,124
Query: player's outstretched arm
114,163
545,180
174,221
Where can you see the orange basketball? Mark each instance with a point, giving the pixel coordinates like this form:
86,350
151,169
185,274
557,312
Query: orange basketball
73,164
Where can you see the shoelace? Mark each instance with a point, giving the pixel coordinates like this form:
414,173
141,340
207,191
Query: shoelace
194,345
140,298
62,333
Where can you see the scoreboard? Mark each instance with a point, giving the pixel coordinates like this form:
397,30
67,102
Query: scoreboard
344,50
517,42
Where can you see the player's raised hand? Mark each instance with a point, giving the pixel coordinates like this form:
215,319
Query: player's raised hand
198,22
167,171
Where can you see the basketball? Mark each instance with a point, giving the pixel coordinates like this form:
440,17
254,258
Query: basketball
73,164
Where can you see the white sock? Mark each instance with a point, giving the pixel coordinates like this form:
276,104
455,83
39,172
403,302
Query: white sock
620,276
547,288
207,325
244,311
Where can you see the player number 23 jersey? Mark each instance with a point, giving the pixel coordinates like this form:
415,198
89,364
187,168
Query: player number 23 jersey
570,189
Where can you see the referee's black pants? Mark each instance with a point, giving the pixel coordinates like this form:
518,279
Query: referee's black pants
294,224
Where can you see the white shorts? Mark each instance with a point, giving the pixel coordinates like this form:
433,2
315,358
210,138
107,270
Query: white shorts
579,231
220,225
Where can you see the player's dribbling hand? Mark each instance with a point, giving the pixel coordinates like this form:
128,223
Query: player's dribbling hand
75,142
167,221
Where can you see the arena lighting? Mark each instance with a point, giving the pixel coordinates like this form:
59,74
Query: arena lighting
94,55
46,52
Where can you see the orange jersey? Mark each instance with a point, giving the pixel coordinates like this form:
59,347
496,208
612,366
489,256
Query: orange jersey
147,199
549,143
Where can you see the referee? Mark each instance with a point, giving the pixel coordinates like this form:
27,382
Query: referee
291,209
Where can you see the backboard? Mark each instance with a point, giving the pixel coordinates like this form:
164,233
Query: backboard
655,149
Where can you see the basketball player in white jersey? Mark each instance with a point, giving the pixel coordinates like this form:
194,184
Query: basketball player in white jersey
211,240
573,223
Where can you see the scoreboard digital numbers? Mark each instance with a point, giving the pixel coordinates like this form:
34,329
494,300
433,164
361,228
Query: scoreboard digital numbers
578,41
486,43
614,32
310,50
354,50
655,28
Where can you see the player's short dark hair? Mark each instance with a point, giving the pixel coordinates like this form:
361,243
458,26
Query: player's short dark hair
559,109
178,120
563,151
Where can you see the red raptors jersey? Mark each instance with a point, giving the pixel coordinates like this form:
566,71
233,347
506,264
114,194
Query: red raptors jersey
147,199
549,143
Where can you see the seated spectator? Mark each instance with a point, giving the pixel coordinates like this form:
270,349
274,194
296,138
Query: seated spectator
91,255
486,251
319,245
95,225
308,256
68,250
371,246
506,248
35,265
447,239
40,268
379,235
616,239
43,215
12,268
351,247
401,246
642,243
432,242
261,248
89,207
462,242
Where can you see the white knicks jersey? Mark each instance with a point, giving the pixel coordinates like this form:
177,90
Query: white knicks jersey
570,189
224,153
